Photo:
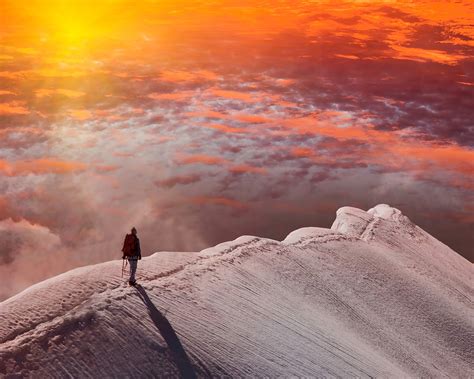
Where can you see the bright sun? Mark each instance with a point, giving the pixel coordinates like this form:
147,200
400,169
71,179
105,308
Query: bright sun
76,24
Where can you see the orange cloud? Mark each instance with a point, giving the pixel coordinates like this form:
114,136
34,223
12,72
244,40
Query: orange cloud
207,114
241,117
80,114
323,159
302,152
244,168
364,21
178,96
424,55
43,92
392,150
251,119
328,124
284,82
39,167
249,97
13,75
347,56
233,95
213,160
225,128
45,72
453,157
201,158
187,76
13,108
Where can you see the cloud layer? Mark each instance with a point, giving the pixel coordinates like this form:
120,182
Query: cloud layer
200,123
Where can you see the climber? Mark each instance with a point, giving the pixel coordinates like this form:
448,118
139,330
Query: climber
132,252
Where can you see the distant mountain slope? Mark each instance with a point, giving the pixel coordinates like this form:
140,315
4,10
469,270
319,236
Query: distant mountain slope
373,296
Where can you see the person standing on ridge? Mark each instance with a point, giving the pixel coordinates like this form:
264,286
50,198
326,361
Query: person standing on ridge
131,251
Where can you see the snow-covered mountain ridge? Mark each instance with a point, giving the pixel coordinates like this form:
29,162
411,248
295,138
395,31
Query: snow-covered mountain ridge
374,295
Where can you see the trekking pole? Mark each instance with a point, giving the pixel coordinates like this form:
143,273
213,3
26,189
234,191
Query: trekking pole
124,265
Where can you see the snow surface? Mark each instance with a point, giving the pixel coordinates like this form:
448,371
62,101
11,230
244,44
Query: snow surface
374,296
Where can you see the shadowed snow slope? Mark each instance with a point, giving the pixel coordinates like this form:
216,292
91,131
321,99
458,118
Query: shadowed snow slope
374,295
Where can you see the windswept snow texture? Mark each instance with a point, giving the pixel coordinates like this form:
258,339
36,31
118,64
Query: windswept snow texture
373,296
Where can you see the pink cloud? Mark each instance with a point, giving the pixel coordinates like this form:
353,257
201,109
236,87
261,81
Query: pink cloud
224,201
106,168
6,210
176,180
225,128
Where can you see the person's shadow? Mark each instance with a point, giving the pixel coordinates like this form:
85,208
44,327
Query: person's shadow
179,354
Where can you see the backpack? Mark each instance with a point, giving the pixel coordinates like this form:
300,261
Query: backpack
129,245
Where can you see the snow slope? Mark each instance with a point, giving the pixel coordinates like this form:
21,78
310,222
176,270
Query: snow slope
374,295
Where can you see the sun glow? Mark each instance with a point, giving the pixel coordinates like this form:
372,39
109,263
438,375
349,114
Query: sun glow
76,26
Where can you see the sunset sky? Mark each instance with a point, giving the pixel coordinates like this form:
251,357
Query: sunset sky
200,121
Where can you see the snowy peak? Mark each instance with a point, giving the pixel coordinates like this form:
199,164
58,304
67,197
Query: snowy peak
356,222
388,213
351,221
374,296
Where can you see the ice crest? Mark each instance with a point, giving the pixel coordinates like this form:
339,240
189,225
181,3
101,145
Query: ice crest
387,212
351,221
